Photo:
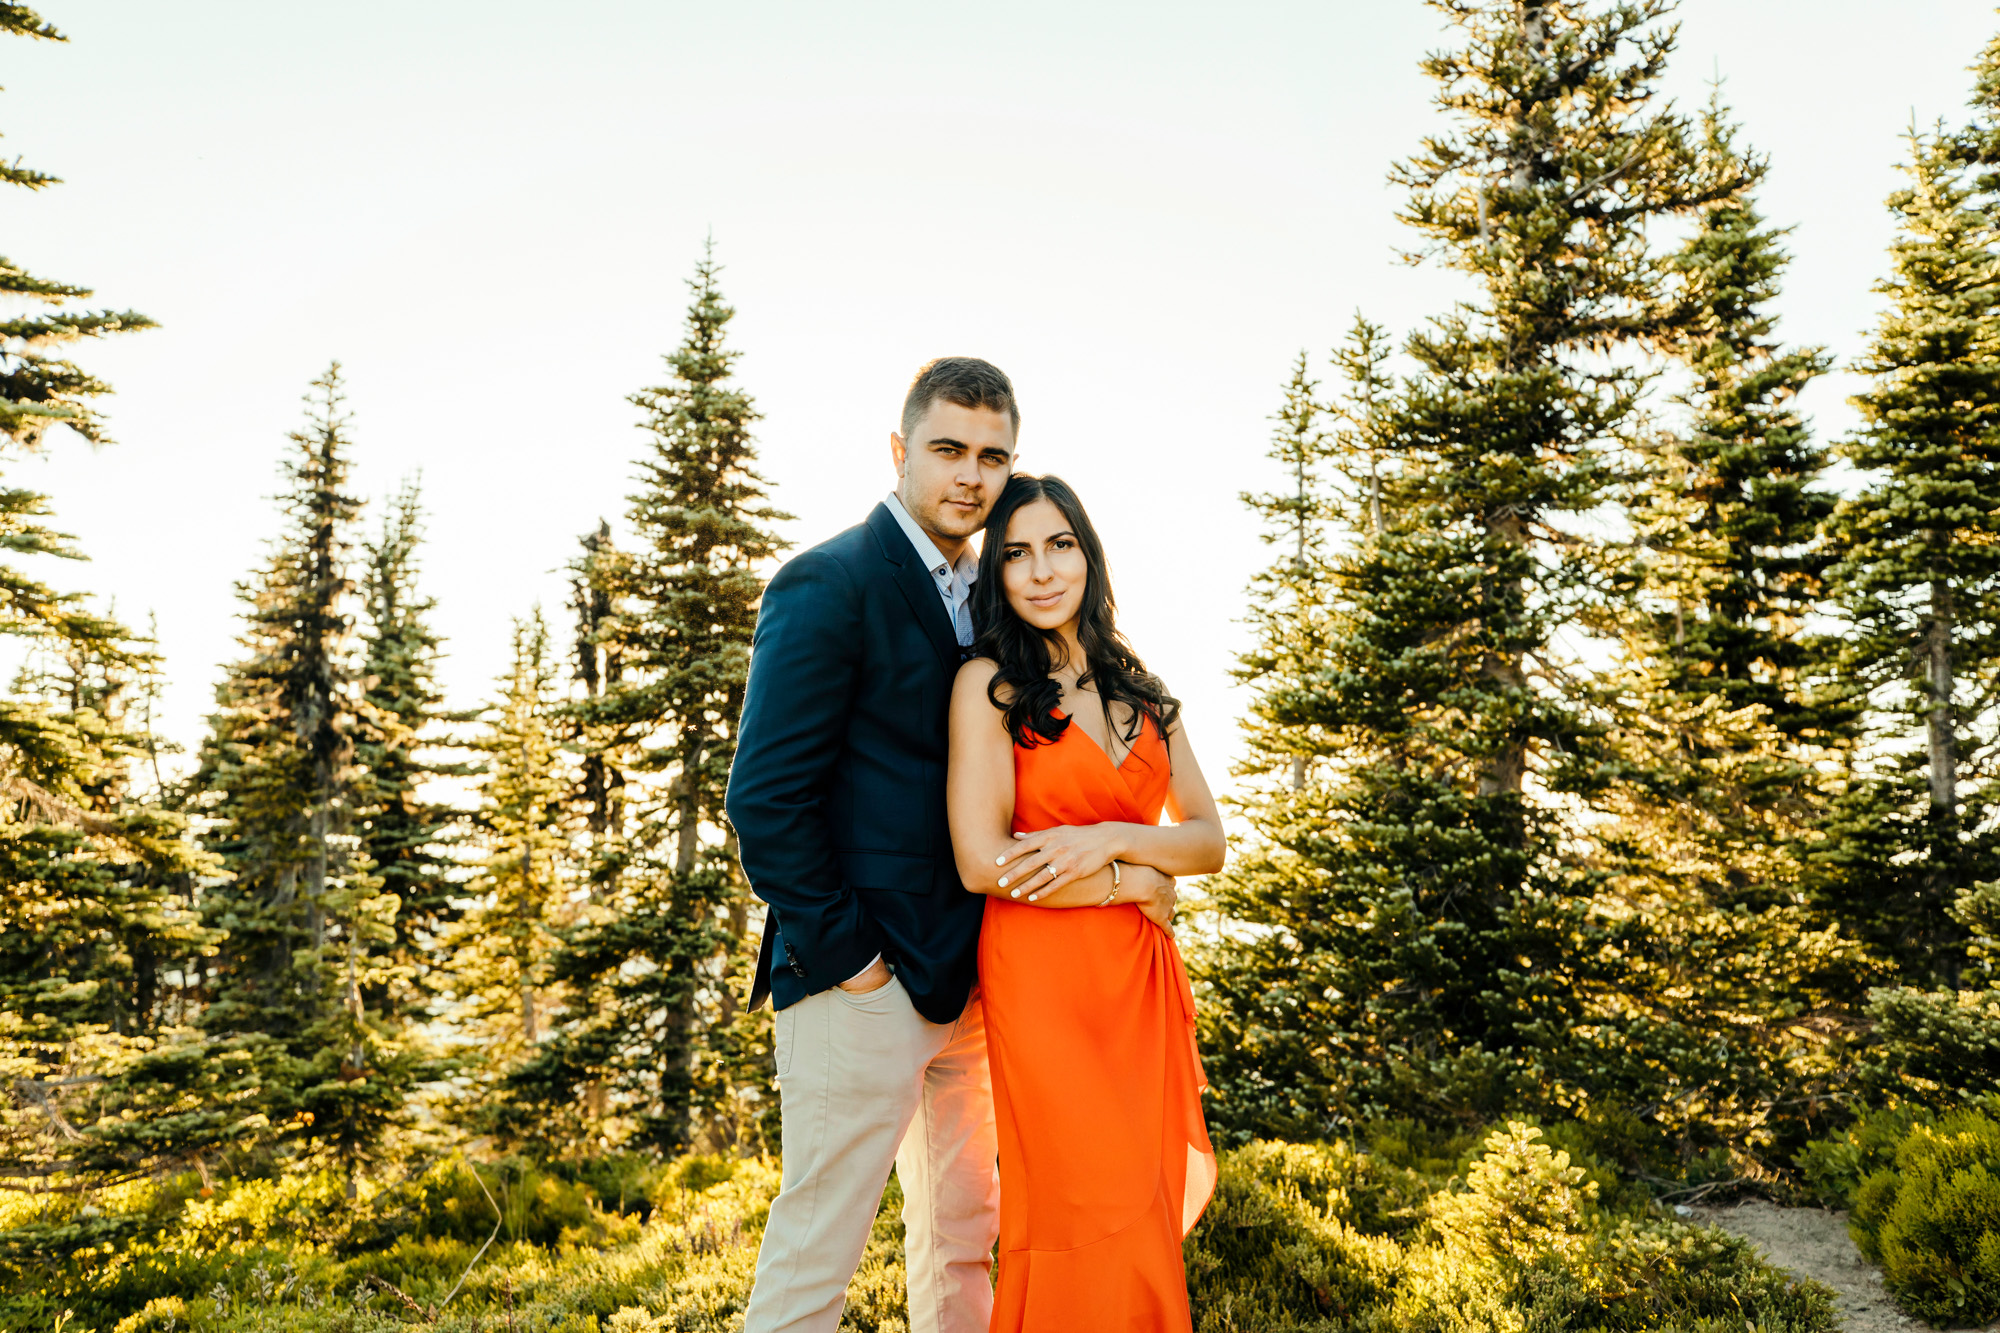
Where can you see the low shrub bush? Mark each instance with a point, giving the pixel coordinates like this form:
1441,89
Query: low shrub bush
1399,1231
1924,1190
1328,1238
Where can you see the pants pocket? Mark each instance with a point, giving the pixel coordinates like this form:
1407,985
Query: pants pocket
782,1026
880,1000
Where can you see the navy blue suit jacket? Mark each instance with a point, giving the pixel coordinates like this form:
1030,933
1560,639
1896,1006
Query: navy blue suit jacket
837,789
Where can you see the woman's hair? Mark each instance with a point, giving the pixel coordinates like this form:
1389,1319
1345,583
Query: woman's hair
1023,688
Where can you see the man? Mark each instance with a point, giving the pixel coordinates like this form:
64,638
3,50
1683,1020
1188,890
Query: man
870,947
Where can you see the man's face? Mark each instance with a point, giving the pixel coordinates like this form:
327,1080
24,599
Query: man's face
953,466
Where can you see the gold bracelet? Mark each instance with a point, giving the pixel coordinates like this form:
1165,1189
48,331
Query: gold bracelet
1113,896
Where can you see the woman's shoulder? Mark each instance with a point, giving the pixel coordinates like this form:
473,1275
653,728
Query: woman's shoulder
975,674
976,671
977,679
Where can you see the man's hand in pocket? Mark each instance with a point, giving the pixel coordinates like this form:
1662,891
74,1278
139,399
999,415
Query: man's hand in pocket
873,977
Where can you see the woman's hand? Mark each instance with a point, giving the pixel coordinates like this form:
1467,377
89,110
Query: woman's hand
1042,862
1157,901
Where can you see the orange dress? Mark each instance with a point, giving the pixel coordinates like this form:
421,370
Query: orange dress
1105,1161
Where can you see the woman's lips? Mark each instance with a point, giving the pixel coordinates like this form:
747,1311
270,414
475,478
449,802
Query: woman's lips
1049,599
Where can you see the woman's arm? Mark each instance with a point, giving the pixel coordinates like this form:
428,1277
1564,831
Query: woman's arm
1050,861
979,796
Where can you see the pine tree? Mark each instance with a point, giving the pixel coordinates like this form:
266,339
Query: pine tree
1429,893
1287,594
1937,1043
38,389
665,957
104,1081
37,392
404,832
603,743
1726,724
505,947
307,925
1919,576
1264,1016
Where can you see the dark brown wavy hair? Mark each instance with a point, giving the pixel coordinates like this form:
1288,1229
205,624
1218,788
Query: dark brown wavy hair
1024,687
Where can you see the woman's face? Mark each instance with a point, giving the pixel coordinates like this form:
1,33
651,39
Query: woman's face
1042,566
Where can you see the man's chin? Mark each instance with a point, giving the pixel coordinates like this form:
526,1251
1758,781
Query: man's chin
955,522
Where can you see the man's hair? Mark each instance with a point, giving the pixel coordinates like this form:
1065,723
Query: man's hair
964,380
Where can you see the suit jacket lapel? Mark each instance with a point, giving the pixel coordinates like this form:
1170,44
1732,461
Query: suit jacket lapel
914,581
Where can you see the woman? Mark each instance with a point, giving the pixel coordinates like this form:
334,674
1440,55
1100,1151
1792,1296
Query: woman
1064,750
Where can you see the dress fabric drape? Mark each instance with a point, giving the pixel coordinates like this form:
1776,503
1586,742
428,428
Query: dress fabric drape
1105,1161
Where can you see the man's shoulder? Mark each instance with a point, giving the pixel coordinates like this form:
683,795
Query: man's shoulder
841,561
846,547
849,551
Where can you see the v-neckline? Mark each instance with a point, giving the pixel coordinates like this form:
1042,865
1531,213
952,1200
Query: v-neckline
1117,766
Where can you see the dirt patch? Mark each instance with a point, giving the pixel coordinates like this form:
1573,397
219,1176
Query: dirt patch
1813,1243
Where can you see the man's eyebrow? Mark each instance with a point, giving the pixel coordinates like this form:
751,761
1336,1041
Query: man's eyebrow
1003,451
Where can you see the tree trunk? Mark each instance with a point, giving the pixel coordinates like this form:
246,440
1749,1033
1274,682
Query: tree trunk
1506,771
687,800
1943,733
1942,742
1535,39
524,958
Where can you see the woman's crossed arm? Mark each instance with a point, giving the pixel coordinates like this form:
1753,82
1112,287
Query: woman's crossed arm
979,793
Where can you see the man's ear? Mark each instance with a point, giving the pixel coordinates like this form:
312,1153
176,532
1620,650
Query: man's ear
898,452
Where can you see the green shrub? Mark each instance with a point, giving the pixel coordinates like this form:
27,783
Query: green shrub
1514,1242
1523,1203
1932,1220
1835,1167
1278,1250
1401,1231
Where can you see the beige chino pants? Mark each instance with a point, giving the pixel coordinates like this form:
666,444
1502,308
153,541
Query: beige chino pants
864,1081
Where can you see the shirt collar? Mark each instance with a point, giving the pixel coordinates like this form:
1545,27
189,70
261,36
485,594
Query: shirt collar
967,568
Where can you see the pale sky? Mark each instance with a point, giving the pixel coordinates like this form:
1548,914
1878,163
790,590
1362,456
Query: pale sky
486,211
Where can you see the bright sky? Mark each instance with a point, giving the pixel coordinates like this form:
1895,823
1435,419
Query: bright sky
486,212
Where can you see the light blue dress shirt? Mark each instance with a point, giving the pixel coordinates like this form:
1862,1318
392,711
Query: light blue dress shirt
954,582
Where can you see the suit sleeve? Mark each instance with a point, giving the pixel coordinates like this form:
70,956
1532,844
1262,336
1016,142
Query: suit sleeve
805,662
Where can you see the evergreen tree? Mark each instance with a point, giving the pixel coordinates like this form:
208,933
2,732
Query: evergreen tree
104,1081
405,833
1264,1015
1432,892
308,927
1730,981
666,954
39,389
505,947
1936,1043
1919,577
603,742
1289,593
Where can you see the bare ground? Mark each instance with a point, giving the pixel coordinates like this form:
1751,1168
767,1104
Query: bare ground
1813,1243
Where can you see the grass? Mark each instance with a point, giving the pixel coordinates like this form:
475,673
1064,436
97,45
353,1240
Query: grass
1400,1231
